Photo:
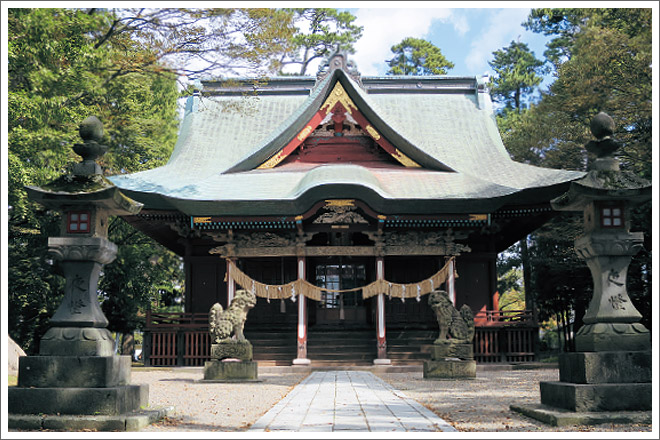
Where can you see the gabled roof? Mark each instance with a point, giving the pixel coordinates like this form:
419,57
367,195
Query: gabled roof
445,125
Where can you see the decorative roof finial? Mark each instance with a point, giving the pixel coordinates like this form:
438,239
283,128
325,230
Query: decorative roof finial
91,132
338,59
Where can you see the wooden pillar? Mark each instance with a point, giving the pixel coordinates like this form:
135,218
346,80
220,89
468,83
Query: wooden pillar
381,341
187,269
492,272
231,284
301,330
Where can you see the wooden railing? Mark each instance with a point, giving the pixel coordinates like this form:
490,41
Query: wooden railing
176,339
501,344
183,339
505,336
503,317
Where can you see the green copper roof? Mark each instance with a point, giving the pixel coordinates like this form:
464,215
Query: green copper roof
444,124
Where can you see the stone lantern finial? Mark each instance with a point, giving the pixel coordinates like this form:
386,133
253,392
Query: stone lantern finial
91,132
602,127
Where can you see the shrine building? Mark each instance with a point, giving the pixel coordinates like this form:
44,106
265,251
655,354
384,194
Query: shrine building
341,201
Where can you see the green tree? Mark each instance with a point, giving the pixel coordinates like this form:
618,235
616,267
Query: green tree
143,273
415,56
58,75
191,42
517,75
321,30
602,62
510,281
121,65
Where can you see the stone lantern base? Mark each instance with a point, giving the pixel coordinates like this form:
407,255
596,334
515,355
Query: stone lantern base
71,393
596,387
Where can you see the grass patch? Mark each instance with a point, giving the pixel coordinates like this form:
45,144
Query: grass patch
13,381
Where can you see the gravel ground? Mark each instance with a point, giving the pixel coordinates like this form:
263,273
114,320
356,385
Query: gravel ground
211,406
481,404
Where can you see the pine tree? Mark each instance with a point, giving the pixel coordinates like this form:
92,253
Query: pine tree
415,56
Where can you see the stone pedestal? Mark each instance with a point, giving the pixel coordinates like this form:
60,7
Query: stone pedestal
74,393
596,387
228,371
451,360
450,369
450,349
231,361
601,381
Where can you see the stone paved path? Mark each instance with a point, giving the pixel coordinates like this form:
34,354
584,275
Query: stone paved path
348,401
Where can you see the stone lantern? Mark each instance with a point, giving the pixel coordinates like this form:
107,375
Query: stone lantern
77,381
605,196
610,371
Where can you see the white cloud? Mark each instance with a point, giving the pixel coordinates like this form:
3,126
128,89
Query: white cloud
503,27
461,25
383,28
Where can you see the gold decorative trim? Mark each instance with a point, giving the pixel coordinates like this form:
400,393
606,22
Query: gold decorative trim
338,94
475,217
405,160
339,202
304,133
270,163
372,131
201,219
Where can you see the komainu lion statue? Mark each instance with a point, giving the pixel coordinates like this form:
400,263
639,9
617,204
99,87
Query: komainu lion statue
223,324
454,325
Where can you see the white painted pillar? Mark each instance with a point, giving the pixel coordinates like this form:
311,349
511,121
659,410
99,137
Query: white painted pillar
231,284
451,283
301,331
381,340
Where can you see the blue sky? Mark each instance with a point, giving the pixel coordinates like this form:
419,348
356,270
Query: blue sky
467,35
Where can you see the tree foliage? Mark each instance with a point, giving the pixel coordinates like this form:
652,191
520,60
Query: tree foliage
517,74
67,64
601,60
141,275
415,56
319,32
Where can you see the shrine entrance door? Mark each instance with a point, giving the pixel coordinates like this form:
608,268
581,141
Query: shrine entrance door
340,309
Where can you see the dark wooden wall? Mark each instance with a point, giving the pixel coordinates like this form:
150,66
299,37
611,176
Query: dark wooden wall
205,283
475,286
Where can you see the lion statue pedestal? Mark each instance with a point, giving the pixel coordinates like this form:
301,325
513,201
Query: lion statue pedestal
231,354
452,354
